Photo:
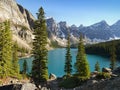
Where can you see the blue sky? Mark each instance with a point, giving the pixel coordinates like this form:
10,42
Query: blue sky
86,12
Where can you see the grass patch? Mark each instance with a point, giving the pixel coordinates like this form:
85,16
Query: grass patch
72,82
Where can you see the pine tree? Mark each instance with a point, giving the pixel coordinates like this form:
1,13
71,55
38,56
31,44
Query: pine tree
15,64
5,49
81,65
25,67
97,66
68,66
112,56
39,68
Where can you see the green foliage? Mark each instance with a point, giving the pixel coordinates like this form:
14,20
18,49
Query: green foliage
1,82
81,65
72,82
5,50
104,48
39,66
97,66
110,49
68,60
15,65
103,75
112,56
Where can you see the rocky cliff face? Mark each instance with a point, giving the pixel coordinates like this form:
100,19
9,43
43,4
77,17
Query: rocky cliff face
58,32
21,21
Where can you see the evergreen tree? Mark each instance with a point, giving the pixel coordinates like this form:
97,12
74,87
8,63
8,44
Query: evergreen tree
68,60
39,68
97,66
5,49
81,65
15,64
25,67
112,56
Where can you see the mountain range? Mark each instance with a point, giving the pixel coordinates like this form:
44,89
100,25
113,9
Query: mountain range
98,32
22,22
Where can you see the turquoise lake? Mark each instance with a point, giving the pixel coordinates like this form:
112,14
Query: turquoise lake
56,60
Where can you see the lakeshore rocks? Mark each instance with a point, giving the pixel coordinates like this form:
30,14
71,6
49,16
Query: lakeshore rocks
28,86
107,70
52,76
117,71
11,87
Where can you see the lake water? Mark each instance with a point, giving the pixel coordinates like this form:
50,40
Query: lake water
56,60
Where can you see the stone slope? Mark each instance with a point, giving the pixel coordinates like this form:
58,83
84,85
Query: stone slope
21,21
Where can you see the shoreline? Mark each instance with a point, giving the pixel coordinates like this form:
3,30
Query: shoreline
26,56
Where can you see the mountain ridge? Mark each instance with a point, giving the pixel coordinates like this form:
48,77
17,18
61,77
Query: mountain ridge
22,22
97,32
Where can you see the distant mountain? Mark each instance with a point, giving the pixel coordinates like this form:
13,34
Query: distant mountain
115,29
22,23
57,32
98,32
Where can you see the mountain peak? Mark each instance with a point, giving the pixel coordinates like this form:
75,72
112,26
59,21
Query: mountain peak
63,22
73,25
101,23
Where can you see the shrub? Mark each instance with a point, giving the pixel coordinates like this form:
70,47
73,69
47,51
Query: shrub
69,82
103,75
72,81
0,82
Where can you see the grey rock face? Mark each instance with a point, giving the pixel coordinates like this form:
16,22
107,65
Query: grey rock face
21,21
28,86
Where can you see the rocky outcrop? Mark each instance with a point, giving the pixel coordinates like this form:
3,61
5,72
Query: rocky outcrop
21,21
25,86
11,87
108,70
52,76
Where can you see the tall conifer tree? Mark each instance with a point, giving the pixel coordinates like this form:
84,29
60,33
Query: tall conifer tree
97,66
113,56
39,68
68,60
81,65
15,64
5,49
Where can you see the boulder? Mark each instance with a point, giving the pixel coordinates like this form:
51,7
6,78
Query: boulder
52,76
94,74
117,71
91,82
108,70
28,86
